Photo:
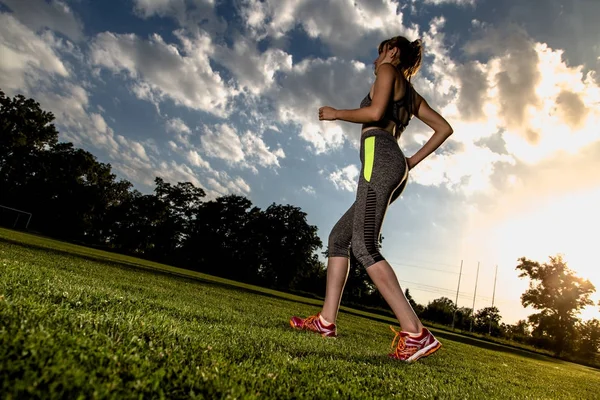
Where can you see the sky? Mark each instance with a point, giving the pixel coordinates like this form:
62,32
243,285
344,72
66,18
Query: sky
225,94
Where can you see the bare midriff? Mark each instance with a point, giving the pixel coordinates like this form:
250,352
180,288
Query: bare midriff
385,125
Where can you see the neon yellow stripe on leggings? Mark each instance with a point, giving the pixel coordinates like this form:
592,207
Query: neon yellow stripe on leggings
369,157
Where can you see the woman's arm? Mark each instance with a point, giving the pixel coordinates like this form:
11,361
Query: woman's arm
382,91
441,131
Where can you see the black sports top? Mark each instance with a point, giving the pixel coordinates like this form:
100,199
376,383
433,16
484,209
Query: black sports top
400,111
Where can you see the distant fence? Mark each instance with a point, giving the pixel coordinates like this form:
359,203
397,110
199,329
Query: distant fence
13,218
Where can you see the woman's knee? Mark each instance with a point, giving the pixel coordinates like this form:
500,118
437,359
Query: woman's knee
366,255
338,244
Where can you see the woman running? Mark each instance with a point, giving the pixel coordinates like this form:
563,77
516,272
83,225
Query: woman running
384,114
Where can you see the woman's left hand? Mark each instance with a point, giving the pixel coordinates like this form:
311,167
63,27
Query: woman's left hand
410,163
327,113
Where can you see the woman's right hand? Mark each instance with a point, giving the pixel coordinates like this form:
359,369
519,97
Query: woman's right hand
327,113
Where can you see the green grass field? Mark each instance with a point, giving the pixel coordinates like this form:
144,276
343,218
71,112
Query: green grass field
81,323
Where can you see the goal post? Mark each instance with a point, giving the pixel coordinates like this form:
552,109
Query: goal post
12,217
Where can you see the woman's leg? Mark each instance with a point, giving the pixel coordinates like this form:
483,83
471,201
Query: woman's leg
382,179
337,264
384,277
337,274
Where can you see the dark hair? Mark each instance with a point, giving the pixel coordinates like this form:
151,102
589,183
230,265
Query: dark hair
411,54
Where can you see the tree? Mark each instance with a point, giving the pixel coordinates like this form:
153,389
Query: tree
486,317
25,132
588,344
226,232
440,310
559,295
312,277
66,188
73,196
136,223
520,328
24,128
180,203
183,200
72,193
463,318
288,242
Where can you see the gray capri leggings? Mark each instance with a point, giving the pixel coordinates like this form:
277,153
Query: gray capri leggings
383,176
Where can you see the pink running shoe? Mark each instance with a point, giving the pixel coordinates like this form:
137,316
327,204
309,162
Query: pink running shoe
410,348
313,323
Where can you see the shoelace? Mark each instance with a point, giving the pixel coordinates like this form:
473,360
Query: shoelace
401,341
309,322
401,345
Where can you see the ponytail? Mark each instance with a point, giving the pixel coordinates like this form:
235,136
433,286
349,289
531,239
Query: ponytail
414,58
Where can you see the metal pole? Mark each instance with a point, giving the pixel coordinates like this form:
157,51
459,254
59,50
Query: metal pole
28,219
457,289
474,294
16,220
493,298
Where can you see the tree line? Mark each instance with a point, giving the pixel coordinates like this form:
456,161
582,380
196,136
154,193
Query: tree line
555,292
74,197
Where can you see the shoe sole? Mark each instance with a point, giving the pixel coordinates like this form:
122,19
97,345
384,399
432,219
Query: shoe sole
322,334
425,351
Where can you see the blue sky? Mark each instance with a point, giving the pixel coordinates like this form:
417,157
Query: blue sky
225,95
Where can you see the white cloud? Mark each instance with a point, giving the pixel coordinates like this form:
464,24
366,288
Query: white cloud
468,171
223,184
31,63
54,14
148,8
177,125
301,88
222,142
255,147
439,65
516,73
181,131
309,189
457,2
134,147
89,130
238,185
253,70
174,172
312,84
27,59
161,70
345,178
191,14
70,105
217,187
521,105
194,158
346,26
544,105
